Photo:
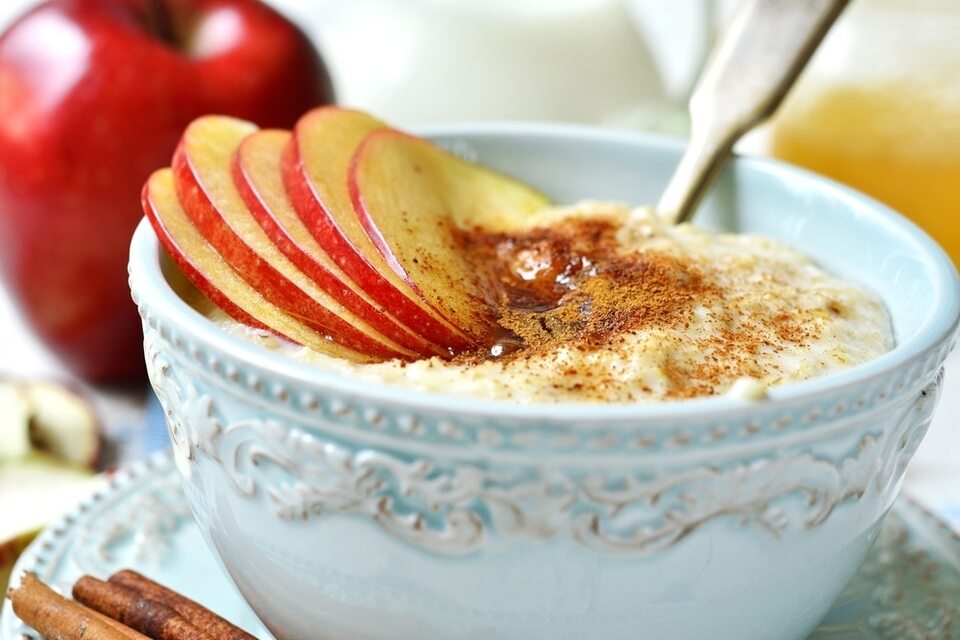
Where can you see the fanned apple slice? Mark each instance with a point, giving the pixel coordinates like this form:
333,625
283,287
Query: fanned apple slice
257,175
315,168
413,199
204,181
214,277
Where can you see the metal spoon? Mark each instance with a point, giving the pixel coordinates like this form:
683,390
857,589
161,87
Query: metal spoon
766,46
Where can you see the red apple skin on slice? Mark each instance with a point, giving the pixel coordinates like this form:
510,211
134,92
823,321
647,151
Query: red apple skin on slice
211,274
413,198
259,179
315,167
203,177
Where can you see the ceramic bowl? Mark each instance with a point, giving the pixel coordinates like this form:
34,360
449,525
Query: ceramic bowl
344,509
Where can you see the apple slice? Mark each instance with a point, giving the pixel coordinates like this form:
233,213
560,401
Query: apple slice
33,491
10,550
315,168
14,422
413,199
63,423
214,277
204,182
257,175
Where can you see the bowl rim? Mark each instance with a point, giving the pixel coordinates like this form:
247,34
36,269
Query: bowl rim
150,286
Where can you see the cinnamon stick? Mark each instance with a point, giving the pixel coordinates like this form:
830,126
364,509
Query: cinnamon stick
127,632
194,613
57,618
154,619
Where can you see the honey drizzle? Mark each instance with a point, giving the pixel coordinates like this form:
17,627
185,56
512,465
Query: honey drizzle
573,286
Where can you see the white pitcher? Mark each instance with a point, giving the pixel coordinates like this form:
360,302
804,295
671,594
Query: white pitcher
413,61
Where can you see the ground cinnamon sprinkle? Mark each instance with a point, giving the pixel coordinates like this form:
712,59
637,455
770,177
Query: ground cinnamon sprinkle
573,286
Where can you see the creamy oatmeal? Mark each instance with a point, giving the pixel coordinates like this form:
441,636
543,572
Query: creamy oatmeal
601,303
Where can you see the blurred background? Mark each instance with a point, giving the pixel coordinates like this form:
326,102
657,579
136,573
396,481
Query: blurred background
879,109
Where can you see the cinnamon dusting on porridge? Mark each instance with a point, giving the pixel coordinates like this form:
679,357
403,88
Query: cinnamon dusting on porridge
570,284
600,303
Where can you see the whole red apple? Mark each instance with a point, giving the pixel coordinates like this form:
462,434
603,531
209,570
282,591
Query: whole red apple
94,95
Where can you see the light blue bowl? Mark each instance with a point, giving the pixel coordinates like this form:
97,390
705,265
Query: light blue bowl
344,509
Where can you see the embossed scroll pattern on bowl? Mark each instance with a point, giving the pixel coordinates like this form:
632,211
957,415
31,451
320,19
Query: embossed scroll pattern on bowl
453,508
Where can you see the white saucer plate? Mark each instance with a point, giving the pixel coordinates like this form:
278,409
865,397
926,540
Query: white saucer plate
908,588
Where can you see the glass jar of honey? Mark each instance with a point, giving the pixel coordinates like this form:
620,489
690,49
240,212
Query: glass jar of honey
879,109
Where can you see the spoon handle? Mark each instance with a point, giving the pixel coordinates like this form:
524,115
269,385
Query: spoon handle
766,46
